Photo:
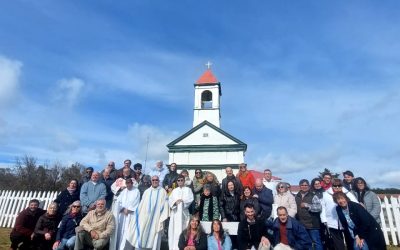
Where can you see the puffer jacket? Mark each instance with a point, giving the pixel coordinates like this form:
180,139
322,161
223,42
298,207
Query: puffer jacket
230,206
286,200
371,203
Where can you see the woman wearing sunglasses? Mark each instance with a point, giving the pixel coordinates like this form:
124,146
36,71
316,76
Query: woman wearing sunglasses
66,233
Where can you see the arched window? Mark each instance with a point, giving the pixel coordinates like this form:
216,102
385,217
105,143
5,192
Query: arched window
206,99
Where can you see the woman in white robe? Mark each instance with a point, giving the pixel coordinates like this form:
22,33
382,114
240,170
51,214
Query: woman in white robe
124,212
179,201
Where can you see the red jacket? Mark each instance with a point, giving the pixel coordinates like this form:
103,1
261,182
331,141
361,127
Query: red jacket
247,179
26,222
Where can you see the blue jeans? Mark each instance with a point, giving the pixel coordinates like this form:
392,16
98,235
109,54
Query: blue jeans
315,238
68,243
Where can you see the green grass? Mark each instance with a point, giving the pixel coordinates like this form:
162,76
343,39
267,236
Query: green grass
5,238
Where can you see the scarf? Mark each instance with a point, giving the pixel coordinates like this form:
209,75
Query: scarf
210,208
71,190
360,196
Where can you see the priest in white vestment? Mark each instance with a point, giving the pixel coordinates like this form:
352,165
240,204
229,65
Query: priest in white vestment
145,232
124,212
179,202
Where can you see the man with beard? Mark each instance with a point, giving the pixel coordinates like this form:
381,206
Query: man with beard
252,232
95,228
25,225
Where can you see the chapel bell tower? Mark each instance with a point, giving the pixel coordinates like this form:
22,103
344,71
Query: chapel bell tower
207,95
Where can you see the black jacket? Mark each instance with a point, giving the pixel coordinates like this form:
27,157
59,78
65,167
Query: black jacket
250,234
200,244
366,226
236,181
230,206
47,224
170,179
64,199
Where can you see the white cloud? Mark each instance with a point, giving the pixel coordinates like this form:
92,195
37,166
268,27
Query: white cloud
68,91
10,71
156,138
298,162
388,178
154,74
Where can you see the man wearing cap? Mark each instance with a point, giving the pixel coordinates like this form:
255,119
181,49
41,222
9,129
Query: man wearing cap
348,181
88,174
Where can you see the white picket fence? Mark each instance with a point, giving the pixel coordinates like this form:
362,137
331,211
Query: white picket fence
12,202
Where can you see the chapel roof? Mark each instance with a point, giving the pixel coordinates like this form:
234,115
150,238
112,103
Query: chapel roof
207,78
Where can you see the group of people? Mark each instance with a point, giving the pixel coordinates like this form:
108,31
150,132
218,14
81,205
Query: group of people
127,209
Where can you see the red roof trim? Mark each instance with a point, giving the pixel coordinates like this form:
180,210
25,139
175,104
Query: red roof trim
207,78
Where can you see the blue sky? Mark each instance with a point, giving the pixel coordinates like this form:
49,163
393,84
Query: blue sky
307,85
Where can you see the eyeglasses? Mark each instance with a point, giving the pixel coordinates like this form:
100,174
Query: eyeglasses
110,165
281,187
198,172
155,180
76,206
336,186
180,180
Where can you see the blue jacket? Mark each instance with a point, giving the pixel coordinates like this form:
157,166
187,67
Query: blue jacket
90,193
265,200
297,234
213,244
67,226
